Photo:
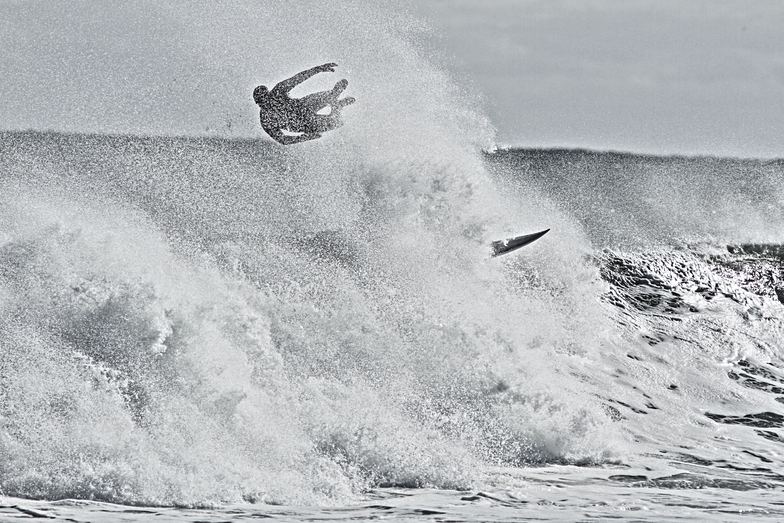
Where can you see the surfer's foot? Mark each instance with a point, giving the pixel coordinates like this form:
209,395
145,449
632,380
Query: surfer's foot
348,100
339,87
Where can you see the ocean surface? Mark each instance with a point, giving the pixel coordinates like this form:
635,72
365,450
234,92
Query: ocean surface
210,329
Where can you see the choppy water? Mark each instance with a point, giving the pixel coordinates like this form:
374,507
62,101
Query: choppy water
212,329
198,323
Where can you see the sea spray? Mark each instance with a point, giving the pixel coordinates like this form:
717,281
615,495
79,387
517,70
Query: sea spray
230,354
194,320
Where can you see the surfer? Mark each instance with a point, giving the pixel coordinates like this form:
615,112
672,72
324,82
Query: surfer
279,112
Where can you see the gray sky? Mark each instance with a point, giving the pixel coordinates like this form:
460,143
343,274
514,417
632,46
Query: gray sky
657,76
654,76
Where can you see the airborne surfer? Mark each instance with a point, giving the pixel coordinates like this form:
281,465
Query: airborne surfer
279,112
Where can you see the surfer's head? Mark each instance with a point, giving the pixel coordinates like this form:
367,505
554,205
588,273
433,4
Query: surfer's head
260,93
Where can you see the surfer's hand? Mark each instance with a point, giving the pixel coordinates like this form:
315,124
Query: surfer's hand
326,68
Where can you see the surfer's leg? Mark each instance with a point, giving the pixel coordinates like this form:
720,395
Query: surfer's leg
339,88
317,101
321,123
348,100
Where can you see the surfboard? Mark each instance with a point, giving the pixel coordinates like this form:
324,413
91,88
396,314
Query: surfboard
512,244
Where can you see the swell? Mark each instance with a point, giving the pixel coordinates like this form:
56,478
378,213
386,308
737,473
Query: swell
192,321
195,321
628,201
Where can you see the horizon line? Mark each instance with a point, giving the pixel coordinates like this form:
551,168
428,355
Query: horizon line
495,149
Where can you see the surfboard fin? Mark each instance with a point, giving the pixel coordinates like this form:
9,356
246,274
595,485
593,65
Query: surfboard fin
511,244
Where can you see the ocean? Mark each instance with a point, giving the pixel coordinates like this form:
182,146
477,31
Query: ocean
213,329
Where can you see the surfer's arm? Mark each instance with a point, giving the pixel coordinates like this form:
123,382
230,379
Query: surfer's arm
290,83
285,139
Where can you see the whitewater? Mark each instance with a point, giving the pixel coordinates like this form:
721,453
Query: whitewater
221,328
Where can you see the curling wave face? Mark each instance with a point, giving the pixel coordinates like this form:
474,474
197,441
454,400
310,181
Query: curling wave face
197,321
185,321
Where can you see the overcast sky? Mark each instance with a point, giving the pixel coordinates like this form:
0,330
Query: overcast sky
660,76
656,76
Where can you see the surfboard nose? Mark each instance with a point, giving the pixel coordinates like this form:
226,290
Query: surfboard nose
510,244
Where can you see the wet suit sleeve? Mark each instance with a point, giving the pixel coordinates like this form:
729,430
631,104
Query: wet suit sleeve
290,83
